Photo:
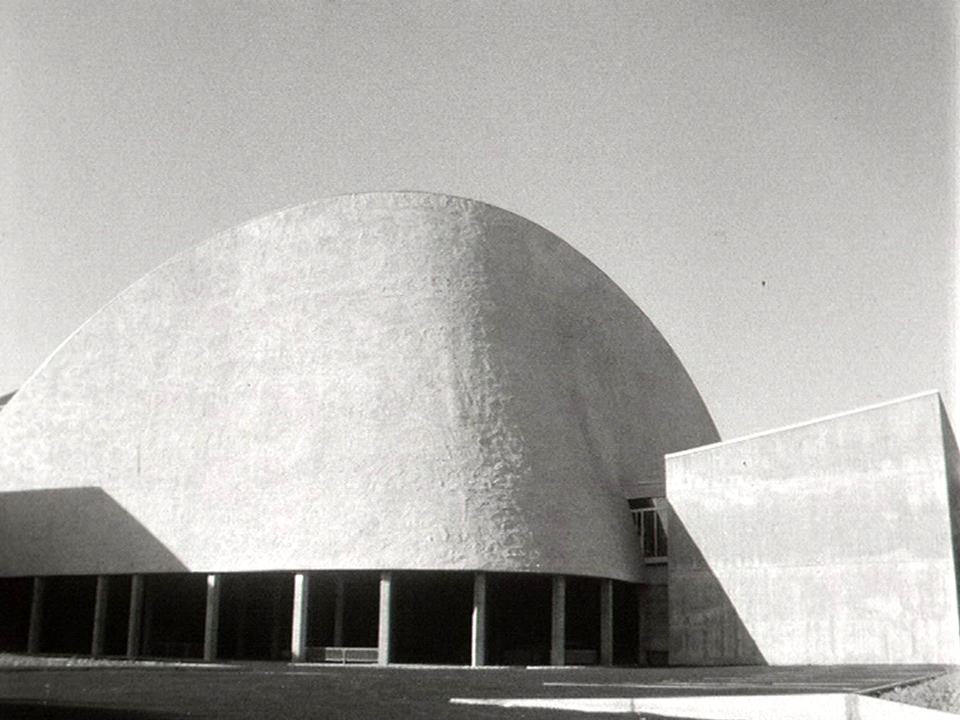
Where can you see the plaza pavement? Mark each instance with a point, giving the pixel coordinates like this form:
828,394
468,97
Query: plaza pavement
242,691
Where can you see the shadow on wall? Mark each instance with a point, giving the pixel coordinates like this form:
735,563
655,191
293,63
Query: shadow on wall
76,531
705,627
952,464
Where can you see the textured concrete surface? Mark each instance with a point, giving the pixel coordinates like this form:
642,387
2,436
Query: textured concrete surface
824,543
36,526
375,381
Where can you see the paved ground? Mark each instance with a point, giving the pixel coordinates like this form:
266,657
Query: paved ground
251,691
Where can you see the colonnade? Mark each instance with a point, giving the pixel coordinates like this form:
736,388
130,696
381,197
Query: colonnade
300,615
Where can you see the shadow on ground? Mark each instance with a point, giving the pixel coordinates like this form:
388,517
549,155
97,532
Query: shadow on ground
36,709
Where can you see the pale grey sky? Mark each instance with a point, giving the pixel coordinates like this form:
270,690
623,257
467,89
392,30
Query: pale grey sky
774,183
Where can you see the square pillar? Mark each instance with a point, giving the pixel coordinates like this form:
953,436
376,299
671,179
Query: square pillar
558,621
478,623
383,639
211,626
606,621
135,619
100,616
36,615
301,604
338,611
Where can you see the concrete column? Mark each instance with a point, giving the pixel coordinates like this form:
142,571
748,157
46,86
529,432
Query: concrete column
386,601
36,615
100,606
301,604
558,624
338,611
606,621
212,621
478,625
135,619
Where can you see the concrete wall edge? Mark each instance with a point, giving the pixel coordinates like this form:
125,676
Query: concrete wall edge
805,423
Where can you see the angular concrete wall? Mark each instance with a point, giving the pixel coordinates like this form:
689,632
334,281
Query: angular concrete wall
404,381
823,543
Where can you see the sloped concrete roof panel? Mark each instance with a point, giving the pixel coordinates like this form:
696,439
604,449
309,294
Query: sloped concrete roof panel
395,380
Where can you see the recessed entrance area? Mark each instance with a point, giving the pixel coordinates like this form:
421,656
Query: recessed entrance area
66,606
399,616
254,620
518,619
432,617
173,615
343,612
582,606
115,615
15,598
627,643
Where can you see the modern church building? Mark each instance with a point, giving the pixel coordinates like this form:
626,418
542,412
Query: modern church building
412,428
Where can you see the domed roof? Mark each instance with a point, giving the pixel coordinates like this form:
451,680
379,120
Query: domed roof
395,380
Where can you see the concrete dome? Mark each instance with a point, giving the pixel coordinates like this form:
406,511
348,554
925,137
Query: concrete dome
380,381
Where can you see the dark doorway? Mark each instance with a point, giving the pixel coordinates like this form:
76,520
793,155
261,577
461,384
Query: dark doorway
67,621
118,614
174,612
322,609
431,617
582,621
518,619
16,595
361,604
343,614
255,616
626,624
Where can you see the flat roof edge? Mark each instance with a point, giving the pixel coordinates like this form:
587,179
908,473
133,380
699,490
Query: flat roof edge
805,423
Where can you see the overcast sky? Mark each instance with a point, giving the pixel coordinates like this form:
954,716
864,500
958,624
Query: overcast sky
774,183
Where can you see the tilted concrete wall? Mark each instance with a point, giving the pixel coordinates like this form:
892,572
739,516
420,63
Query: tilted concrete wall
403,380
823,543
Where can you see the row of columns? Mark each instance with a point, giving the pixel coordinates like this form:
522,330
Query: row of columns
301,605
100,606
478,621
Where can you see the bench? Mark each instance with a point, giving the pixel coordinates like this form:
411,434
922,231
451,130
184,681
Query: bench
342,654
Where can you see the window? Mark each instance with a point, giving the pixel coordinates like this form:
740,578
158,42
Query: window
650,528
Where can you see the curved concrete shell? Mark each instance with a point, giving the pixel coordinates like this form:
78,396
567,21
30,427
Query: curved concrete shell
381,381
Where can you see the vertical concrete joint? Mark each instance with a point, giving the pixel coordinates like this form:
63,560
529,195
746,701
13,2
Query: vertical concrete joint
301,604
558,621
36,615
211,627
606,621
135,619
386,601
478,625
100,606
